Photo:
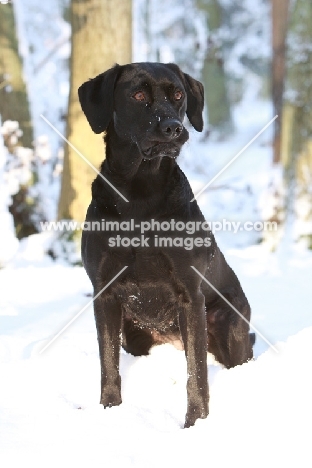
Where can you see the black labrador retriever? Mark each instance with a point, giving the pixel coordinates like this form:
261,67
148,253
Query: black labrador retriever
158,234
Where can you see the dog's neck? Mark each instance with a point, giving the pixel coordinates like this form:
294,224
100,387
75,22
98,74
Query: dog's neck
136,178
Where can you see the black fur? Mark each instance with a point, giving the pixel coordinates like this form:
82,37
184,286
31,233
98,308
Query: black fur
159,297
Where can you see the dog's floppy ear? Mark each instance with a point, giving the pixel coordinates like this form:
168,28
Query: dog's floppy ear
195,98
195,102
96,98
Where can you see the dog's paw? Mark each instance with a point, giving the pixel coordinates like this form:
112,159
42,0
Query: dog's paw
110,398
193,414
110,405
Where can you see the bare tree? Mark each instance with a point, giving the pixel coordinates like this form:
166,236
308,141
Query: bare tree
280,10
213,75
297,126
101,37
14,106
13,94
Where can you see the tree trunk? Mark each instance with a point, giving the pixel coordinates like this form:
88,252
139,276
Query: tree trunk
213,76
101,37
14,105
13,95
279,30
297,125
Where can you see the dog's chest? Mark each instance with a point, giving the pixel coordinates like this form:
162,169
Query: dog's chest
151,294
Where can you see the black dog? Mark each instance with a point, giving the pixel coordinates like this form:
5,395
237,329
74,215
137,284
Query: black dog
159,297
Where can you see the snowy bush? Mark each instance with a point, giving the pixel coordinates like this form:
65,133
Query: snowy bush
9,243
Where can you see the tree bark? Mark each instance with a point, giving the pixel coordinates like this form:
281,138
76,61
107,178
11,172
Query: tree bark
213,76
297,125
13,94
279,31
101,37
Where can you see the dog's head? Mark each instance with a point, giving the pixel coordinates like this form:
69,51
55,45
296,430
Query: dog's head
147,103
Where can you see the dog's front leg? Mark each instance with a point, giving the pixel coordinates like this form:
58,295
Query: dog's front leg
108,325
194,335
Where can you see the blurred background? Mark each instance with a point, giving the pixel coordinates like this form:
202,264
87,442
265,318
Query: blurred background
254,58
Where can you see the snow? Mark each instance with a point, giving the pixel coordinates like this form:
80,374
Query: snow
49,412
9,243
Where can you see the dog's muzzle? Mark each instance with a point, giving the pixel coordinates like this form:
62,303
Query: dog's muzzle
167,141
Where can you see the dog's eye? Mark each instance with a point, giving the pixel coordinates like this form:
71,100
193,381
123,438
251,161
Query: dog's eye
139,96
178,95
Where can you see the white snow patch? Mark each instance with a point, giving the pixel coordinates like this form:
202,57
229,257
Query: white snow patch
49,411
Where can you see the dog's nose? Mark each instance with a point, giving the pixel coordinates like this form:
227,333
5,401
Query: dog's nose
171,128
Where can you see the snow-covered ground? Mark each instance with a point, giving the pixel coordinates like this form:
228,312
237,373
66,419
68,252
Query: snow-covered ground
260,413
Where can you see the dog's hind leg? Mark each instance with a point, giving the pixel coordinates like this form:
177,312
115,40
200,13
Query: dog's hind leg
252,337
229,339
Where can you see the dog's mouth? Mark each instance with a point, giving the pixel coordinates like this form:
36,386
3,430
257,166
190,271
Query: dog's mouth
159,149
